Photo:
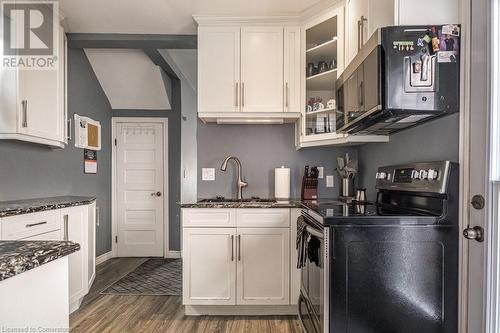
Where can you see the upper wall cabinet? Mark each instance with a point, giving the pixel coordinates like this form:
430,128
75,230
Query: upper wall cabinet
364,17
33,102
248,70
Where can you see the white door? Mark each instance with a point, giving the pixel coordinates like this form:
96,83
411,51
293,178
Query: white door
262,69
218,69
357,27
475,151
209,268
41,100
292,69
140,193
263,276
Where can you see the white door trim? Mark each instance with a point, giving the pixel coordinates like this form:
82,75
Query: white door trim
114,226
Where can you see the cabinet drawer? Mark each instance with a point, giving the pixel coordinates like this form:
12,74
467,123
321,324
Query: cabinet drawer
51,235
29,225
264,218
208,217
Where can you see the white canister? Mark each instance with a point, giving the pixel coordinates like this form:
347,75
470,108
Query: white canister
282,183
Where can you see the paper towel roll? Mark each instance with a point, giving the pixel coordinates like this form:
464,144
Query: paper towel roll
282,183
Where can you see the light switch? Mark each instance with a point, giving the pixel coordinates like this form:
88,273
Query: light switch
329,181
208,174
320,172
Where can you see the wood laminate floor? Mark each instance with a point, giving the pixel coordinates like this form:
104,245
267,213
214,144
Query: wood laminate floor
110,313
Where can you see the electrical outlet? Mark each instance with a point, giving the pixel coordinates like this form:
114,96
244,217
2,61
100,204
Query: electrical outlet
208,174
329,181
320,172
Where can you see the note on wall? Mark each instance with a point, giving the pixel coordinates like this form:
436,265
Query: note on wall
89,161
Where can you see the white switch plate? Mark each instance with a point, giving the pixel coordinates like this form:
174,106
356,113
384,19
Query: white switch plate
208,174
320,172
329,181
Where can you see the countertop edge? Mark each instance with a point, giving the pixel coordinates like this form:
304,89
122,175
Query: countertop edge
41,207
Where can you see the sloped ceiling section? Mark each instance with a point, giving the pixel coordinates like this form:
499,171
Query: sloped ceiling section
186,61
129,79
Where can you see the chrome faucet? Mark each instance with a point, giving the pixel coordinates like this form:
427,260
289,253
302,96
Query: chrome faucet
241,182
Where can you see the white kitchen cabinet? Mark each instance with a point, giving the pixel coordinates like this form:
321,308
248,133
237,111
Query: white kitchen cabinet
364,17
248,70
76,224
218,69
263,273
262,84
209,267
292,69
34,102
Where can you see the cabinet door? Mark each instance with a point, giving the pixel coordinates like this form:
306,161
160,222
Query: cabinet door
292,69
411,12
75,229
218,69
263,276
209,268
91,225
262,69
381,14
41,100
357,29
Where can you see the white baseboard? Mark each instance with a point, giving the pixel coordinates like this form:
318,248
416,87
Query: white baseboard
240,310
174,254
103,257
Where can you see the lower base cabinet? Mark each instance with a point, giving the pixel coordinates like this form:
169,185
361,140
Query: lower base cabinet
237,265
76,224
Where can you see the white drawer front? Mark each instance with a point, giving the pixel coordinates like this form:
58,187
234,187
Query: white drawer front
264,218
29,225
51,235
208,217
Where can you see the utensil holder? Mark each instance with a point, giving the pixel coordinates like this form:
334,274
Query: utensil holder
309,188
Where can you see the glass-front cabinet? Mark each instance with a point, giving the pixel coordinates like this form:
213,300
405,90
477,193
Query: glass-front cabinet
323,60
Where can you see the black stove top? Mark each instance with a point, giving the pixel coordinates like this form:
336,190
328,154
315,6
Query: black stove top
338,212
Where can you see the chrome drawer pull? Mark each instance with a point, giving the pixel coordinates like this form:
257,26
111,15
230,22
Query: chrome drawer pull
35,224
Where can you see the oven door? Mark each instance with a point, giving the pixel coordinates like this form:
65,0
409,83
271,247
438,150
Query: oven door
314,290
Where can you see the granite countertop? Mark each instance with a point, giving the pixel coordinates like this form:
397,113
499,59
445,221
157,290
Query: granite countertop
17,257
18,207
261,203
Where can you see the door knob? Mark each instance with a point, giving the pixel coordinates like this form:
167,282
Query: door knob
156,194
476,233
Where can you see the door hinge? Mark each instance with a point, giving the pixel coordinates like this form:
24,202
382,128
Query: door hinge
116,239
116,142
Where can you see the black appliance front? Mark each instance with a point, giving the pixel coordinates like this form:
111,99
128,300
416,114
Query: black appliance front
392,279
398,81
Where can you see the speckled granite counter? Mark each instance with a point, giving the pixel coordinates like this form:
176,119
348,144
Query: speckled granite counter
18,207
17,257
244,204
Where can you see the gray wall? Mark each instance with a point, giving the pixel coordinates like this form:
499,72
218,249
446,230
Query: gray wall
31,171
261,148
433,141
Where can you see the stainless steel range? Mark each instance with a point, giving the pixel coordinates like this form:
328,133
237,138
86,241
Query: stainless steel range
384,266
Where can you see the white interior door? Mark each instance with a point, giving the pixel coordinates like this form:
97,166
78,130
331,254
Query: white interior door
475,137
140,191
262,69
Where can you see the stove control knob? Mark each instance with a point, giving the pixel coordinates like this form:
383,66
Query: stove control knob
432,174
423,174
415,174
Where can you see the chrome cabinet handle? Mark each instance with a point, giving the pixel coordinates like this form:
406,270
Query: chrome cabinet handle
66,219
25,112
236,99
361,24
242,94
287,97
69,129
239,247
232,247
35,224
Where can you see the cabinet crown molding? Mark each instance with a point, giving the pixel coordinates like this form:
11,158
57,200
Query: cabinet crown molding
246,20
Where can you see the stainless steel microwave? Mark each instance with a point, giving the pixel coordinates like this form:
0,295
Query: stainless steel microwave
403,76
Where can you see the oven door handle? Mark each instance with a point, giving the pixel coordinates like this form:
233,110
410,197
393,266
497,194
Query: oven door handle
314,232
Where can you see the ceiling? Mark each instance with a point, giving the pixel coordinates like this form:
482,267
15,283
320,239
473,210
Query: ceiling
164,16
